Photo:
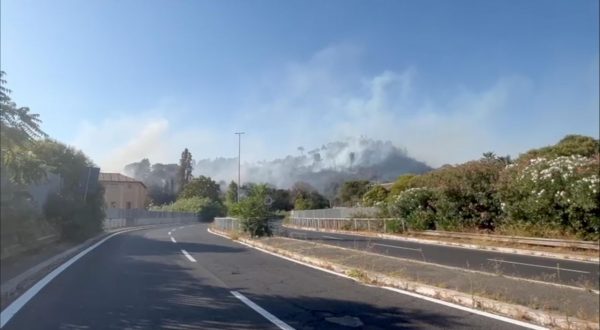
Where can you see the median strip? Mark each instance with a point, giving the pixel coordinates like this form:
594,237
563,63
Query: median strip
543,304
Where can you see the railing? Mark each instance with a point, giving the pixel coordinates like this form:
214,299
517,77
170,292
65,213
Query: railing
118,218
336,213
230,224
226,224
381,225
368,224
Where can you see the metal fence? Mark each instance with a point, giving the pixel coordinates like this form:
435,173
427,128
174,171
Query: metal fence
368,224
226,224
336,213
117,218
233,225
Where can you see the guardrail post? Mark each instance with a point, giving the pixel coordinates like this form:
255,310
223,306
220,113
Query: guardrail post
368,225
318,224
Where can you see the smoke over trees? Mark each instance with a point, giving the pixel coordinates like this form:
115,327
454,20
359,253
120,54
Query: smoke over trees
324,168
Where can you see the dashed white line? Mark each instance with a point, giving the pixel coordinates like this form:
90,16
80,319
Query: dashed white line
279,323
540,266
397,247
173,239
187,255
169,233
331,237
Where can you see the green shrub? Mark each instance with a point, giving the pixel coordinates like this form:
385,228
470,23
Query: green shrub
375,196
75,218
416,206
254,212
206,208
560,193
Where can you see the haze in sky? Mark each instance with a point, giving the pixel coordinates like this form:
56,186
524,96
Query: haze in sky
443,80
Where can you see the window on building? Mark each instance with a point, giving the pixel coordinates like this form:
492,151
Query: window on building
128,205
129,186
113,204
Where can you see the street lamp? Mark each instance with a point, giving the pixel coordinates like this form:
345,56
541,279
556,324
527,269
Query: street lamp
239,134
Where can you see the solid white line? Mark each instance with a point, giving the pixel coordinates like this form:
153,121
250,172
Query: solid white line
540,266
173,240
331,237
187,255
279,323
16,305
397,247
467,309
412,294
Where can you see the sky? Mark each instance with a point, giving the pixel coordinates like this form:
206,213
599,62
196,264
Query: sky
444,80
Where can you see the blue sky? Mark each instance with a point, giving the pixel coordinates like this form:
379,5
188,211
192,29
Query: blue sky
447,80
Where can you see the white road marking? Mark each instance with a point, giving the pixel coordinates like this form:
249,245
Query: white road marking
173,239
397,247
408,293
540,266
169,233
187,255
16,305
279,323
331,237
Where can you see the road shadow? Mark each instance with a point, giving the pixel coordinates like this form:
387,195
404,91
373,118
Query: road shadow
138,294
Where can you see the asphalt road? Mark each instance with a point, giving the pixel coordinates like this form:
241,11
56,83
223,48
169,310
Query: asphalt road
538,268
144,280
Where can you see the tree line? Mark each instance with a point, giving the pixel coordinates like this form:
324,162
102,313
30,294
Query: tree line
28,156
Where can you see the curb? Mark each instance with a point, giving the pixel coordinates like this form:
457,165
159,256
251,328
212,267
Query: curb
12,289
513,311
553,255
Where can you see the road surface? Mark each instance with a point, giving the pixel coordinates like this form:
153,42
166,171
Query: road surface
191,279
539,268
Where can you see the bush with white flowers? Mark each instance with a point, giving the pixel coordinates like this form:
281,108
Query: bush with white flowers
561,193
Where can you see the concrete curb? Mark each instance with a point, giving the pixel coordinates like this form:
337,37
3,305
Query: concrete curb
553,255
517,312
12,289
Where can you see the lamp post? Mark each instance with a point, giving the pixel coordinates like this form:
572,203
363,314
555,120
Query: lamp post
239,134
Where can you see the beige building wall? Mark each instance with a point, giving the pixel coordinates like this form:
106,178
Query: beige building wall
124,195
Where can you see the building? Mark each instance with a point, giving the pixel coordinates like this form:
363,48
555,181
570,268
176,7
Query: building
123,192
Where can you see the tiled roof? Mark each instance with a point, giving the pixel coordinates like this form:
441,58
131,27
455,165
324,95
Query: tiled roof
116,177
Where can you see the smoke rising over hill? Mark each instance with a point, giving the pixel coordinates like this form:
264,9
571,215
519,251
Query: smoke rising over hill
325,167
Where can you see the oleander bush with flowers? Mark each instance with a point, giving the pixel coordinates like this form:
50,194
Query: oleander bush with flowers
559,194
552,191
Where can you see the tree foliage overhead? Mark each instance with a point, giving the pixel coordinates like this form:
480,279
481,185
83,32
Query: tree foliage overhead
19,128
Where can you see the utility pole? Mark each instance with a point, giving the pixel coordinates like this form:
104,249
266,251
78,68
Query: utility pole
239,134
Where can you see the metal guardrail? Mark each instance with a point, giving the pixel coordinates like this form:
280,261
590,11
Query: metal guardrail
226,224
552,242
381,225
119,218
